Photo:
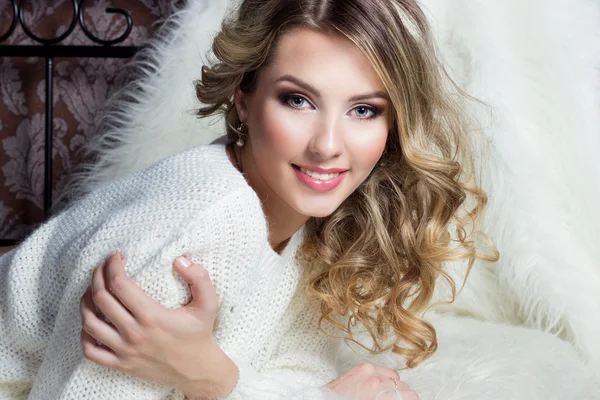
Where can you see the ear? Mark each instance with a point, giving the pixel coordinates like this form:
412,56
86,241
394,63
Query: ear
240,100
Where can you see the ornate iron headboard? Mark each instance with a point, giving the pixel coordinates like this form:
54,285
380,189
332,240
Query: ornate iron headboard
51,49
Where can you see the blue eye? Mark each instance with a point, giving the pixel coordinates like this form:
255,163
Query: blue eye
364,112
296,101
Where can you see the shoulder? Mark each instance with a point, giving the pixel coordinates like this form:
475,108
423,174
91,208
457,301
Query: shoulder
197,185
198,177
186,188
207,167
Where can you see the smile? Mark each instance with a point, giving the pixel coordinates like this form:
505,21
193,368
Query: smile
320,181
316,175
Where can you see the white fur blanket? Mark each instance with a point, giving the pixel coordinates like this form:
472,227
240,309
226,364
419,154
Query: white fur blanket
479,360
535,63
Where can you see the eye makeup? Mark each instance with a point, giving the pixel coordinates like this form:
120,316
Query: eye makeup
302,103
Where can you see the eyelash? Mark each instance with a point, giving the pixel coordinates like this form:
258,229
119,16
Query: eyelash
285,99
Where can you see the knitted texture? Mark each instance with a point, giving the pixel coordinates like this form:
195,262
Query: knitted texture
194,203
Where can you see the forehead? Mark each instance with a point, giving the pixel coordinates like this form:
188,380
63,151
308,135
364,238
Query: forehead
326,60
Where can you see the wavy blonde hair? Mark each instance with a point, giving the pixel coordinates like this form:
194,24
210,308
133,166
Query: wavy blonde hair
377,258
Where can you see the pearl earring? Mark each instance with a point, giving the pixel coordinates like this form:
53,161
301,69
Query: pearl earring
240,130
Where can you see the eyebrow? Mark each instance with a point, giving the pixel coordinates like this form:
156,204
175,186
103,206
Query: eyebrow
310,88
378,94
304,85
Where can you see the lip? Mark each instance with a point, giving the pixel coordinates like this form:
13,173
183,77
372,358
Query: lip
322,170
318,185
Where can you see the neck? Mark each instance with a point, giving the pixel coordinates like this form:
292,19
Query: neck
283,221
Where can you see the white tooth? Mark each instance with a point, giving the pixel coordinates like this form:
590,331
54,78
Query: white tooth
316,175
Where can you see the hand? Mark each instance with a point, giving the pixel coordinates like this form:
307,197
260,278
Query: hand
371,382
140,337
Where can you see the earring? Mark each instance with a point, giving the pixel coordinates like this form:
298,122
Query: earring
240,130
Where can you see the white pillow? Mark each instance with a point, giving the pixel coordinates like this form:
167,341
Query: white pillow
537,64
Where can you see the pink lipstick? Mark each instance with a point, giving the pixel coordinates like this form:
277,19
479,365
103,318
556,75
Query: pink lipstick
316,181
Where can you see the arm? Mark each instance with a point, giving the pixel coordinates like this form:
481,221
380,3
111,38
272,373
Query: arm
38,282
29,302
289,382
299,365
18,363
152,233
294,375
43,280
34,279
142,344
299,370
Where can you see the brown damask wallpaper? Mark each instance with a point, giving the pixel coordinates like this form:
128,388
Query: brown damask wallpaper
81,87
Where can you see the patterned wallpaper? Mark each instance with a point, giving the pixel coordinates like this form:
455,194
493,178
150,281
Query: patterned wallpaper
81,87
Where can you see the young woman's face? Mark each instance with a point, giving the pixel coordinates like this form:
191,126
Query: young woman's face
317,123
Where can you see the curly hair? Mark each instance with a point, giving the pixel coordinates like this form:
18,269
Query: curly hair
377,258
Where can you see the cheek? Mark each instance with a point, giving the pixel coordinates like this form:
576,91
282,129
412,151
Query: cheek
368,144
275,130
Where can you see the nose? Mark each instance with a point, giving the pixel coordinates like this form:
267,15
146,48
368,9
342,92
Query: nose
327,141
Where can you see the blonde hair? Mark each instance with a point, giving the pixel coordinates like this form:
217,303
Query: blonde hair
376,259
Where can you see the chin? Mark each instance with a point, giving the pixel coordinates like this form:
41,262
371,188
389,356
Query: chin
316,214
318,211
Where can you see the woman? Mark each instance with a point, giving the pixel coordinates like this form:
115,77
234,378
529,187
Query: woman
331,210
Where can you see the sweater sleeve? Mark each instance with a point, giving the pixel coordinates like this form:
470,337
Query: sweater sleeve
41,282
298,368
18,363
29,302
281,383
39,333
153,216
151,248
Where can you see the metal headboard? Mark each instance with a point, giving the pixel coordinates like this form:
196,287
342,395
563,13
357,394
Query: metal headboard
51,49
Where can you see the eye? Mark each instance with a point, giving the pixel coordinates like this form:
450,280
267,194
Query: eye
365,112
297,101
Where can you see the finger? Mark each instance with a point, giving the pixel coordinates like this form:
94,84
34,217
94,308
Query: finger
393,375
133,298
379,387
365,369
409,395
97,328
108,304
335,382
388,395
204,296
98,354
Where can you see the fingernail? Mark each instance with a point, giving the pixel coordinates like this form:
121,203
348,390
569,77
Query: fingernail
184,262
122,256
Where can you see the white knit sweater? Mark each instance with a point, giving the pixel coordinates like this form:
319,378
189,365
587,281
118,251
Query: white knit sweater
193,203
